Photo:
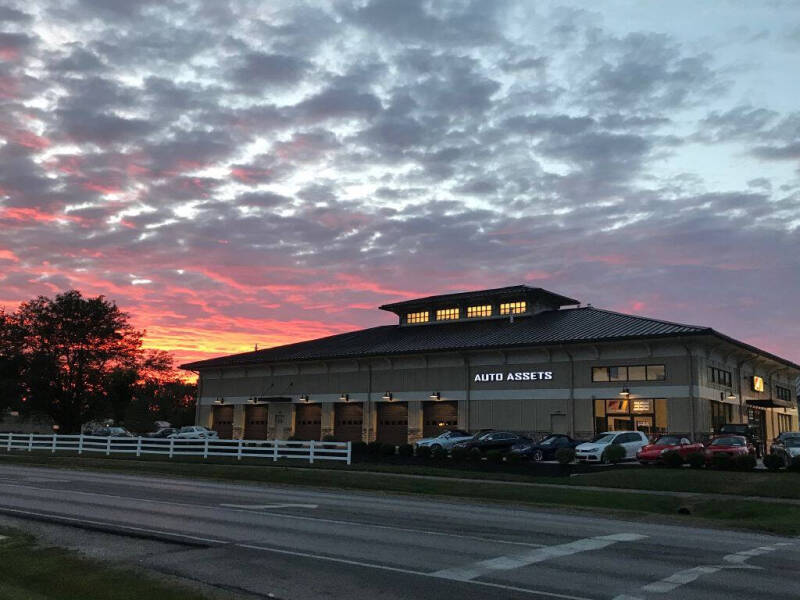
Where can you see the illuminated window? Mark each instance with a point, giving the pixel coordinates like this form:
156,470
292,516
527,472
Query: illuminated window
417,317
446,314
479,311
513,308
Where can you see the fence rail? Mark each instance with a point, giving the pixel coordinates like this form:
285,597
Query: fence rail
139,446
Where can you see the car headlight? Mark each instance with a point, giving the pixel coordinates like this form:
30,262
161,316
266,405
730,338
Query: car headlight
589,449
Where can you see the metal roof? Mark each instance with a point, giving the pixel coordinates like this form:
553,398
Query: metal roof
549,327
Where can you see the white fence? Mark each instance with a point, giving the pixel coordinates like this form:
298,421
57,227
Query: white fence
139,446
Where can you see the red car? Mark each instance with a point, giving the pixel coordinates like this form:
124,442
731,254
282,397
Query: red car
729,445
653,453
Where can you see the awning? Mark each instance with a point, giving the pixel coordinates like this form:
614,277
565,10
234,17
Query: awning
771,403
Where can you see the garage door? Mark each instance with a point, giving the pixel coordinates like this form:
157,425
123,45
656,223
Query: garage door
392,423
255,423
348,421
308,421
438,417
223,421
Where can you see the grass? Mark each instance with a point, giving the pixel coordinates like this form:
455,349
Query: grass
771,517
31,572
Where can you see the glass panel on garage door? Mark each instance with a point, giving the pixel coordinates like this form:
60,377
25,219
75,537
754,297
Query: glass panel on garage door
392,423
438,417
255,423
223,421
349,418
308,422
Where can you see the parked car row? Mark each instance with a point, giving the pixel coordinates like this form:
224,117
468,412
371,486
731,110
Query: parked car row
187,433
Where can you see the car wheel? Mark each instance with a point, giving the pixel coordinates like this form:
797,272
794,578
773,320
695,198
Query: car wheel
436,447
538,455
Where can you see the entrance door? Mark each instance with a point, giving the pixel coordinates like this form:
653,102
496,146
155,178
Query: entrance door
255,422
438,417
223,421
348,420
392,423
308,421
621,423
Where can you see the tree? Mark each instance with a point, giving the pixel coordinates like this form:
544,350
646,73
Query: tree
10,364
68,347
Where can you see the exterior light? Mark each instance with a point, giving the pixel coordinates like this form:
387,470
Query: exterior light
56,427
436,396
387,396
345,397
219,400
625,393
731,396
304,397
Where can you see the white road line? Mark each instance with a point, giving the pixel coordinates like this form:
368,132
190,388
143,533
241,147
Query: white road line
680,578
505,563
358,563
285,516
266,506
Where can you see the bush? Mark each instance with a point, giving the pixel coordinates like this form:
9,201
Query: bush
374,448
773,462
329,438
565,455
475,454
696,460
406,450
359,448
424,451
744,462
438,453
614,453
672,459
388,450
459,454
721,461
494,456
514,459
795,464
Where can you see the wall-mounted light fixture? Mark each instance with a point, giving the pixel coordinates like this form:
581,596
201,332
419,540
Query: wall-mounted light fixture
731,396
387,396
345,397
219,400
436,396
304,397
625,393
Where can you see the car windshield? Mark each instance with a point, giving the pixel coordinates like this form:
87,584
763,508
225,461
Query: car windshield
604,438
668,440
792,442
728,441
185,429
549,440
733,429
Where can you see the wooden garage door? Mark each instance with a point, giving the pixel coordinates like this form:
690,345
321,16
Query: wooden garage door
308,421
255,423
438,417
223,421
348,421
392,423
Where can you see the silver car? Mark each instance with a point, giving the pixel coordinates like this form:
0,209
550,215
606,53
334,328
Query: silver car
787,446
446,440
194,432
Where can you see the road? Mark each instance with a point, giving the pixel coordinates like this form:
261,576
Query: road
301,543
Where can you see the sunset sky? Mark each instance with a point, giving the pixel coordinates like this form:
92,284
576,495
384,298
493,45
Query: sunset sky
233,173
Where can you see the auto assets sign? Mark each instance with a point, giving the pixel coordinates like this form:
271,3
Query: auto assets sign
513,376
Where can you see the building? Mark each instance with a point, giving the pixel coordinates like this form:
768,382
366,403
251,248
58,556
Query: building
516,358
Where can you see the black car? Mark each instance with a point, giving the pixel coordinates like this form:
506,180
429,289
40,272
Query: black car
546,448
494,440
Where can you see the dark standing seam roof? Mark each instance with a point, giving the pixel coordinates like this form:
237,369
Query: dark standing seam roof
549,327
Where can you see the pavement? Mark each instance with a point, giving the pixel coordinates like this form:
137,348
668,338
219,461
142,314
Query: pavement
266,541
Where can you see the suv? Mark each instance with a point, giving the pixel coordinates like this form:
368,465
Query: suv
194,432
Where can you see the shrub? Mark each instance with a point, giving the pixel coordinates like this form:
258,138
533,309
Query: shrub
565,455
438,453
359,448
614,453
721,461
329,438
475,454
374,448
696,460
494,456
388,450
424,451
672,459
459,454
794,465
514,459
773,462
744,462
406,450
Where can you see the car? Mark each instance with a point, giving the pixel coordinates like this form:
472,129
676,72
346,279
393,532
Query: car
194,432
743,429
654,453
730,446
111,432
787,446
445,440
546,448
164,432
594,451
493,440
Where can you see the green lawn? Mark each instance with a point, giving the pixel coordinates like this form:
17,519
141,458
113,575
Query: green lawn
772,517
30,572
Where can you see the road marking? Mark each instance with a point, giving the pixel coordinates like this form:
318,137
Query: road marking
358,563
505,563
266,506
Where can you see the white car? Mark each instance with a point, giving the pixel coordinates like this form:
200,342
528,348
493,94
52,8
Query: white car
593,451
195,432
446,440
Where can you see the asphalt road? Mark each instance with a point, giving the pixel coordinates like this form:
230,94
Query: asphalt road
299,543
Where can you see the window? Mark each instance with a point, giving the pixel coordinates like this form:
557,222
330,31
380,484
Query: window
721,413
513,308
618,373
784,423
479,311
599,373
783,393
631,373
638,373
720,377
447,314
417,317
656,373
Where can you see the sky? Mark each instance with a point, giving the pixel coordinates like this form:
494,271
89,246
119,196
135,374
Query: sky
234,173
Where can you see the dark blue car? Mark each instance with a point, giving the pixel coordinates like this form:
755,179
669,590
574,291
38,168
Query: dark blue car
546,448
